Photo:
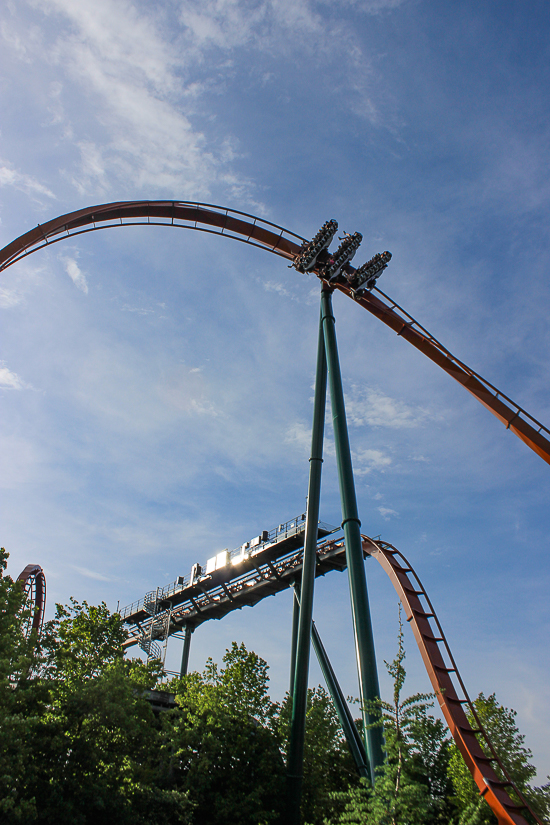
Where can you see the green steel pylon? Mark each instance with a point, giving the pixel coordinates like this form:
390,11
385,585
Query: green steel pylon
351,525
303,639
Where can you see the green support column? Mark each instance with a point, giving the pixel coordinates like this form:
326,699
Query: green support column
355,743
186,648
295,620
364,640
303,642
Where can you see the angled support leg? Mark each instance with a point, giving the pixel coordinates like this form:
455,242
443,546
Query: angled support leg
295,620
362,626
355,743
303,640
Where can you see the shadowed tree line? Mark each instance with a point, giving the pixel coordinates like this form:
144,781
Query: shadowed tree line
79,742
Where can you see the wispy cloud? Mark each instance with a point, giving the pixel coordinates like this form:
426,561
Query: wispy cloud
138,310
91,574
9,297
300,436
387,512
126,66
19,282
25,183
10,380
374,408
365,461
75,274
371,6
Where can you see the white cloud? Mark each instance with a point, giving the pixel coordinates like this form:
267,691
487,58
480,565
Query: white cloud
222,23
386,512
20,282
10,380
91,574
129,68
139,310
365,461
15,41
371,6
92,168
300,436
9,297
25,183
374,408
75,274
272,286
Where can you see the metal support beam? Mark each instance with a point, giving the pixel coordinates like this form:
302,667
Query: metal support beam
351,525
351,733
295,620
355,743
303,641
186,648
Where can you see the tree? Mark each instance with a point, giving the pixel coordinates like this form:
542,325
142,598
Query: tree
328,764
508,742
412,785
220,745
16,657
79,738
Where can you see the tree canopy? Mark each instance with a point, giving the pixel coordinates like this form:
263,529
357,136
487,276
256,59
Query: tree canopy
80,742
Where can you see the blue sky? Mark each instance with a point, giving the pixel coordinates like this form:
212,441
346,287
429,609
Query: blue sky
157,383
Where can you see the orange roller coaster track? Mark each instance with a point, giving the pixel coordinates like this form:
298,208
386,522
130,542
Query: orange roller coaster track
273,238
266,235
33,582
441,667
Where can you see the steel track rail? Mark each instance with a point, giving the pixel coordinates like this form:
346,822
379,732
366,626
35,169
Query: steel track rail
269,236
33,582
215,602
441,667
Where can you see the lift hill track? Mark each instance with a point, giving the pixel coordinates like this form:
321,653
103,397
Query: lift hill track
449,687
277,566
276,239
238,579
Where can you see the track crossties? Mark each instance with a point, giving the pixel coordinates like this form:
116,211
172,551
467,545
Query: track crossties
273,567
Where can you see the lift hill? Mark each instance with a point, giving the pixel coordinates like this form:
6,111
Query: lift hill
267,564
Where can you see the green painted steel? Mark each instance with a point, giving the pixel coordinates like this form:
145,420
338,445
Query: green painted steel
186,648
351,733
295,620
362,626
303,641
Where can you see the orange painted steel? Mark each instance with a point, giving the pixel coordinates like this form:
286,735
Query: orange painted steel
516,419
440,664
33,582
266,235
276,239
199,216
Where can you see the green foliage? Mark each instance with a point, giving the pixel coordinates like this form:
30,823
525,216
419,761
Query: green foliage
80,744
16,651
508,742
220,745
328,765
80,642
76,734
16,658
412,785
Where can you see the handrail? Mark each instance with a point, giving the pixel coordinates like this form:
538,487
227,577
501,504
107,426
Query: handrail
490,785
266,235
